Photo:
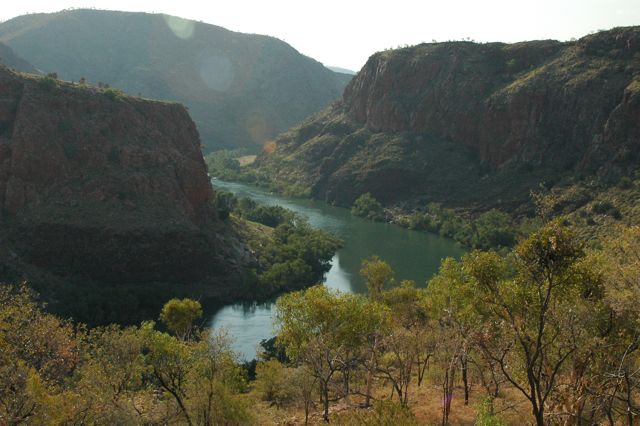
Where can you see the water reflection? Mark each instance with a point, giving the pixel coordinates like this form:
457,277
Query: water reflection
412,255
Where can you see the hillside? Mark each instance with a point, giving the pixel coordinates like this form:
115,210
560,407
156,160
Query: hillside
13,61
100,190
472,126
241,89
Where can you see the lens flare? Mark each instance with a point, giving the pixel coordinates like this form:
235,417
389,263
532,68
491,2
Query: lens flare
182,28
258,128
216,71
269,147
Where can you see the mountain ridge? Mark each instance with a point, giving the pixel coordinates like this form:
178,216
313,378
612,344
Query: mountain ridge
472,126
9,58
241,89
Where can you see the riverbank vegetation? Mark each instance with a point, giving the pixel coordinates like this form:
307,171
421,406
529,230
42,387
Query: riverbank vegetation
492,229
544,334
291,254
226,165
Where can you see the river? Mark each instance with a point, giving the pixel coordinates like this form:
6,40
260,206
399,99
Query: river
412,255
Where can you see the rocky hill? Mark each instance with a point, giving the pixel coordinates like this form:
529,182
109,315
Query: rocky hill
241,89
472,125
13,61
101,189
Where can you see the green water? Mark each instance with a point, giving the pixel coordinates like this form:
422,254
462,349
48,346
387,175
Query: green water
412,255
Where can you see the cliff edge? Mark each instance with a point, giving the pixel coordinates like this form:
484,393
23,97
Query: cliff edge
102,187
472,125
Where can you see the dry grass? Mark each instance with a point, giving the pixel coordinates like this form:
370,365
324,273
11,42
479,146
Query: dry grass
425,402
245,160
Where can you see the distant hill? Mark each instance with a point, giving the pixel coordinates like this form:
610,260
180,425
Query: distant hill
10,59
472,126
342,70
241,89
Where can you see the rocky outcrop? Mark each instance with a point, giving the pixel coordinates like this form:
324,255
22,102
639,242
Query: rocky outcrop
100,185
472,124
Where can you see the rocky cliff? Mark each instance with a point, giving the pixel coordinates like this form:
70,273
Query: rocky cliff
241,89
102,187
472,124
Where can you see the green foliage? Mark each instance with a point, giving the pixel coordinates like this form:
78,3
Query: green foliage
492,229
54,373
606,208
271,216
324,331
272,382
223,165
485,416
179,315
368,207
377,274
535,320
48,82
225,203
295,256
113,94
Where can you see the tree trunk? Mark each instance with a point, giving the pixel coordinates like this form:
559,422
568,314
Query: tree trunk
539,416
465,378
422,368
629,399
325,395
367,401
306,412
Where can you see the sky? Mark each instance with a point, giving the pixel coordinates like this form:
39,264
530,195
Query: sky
345,33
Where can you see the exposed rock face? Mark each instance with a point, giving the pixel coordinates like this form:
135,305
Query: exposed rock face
467,123
101,185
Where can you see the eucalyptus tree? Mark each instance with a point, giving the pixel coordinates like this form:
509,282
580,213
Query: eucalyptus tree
325,332
544,311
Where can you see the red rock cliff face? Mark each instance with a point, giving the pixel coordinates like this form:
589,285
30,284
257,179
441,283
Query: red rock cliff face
506,102
466,123
101,185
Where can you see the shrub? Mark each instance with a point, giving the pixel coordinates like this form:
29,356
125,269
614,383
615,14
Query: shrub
48,82
113,94
625,182
272,383
368,207
178,316
606,208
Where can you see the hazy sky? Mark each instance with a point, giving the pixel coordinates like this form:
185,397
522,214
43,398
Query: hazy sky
344,33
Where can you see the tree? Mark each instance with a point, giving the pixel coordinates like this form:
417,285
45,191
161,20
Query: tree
271,382
368,207
377,273
324,331
169,361
493,229
38,352
179,315
621,264
407,345
214,381
545,310
452,298
112,373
